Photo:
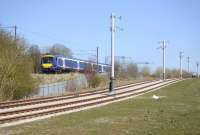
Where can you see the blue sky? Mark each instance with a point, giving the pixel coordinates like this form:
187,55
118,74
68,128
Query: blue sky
83,25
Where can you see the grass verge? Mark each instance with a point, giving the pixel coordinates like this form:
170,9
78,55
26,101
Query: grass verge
176,113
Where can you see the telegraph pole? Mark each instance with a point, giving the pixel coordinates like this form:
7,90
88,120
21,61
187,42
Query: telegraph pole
197,69
112,51
163,47
97,59
181,70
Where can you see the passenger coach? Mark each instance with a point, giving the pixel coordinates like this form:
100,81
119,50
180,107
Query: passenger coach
59,63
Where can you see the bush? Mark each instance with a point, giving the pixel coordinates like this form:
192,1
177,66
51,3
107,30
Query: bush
15,68
132,70
94,81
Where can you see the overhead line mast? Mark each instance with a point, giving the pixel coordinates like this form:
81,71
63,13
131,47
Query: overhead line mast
181,70
163,47
197,69
188,61
113,29
112,51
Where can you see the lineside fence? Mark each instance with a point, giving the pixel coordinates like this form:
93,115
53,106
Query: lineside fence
60,88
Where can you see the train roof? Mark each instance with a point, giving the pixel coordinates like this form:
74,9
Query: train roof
47,55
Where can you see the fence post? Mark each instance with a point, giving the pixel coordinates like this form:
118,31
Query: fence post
43,91
48,90
58,88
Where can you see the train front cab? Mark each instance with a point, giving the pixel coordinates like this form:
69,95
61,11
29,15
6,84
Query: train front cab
51,63
47,63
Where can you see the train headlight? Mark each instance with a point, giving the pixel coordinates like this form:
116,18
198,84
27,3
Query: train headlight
49,65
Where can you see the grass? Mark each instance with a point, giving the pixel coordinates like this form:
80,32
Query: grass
177,113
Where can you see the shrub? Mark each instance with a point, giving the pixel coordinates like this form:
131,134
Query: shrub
94,80
15,68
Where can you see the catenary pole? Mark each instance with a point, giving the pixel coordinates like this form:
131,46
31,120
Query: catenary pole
188,61
163,47
112,52
197,69
181,70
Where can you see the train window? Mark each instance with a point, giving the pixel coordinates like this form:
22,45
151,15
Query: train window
47,60
100,68
60,62
74,64
67,63
82,65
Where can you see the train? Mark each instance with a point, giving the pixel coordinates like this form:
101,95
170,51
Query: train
59,64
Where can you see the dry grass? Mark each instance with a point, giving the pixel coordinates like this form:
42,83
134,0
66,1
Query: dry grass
52,78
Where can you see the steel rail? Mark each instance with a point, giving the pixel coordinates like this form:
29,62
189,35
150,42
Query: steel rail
59,98
47,112
71,102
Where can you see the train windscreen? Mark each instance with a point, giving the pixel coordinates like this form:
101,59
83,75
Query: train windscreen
47,60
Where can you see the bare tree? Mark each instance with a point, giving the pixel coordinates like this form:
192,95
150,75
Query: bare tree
158,72
60,49
145,71
132,70
35,55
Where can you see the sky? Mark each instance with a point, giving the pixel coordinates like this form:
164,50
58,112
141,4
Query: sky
82,25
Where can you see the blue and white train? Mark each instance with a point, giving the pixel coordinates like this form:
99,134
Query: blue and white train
59,63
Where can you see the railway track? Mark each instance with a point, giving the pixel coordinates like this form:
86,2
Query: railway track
16,103
28,111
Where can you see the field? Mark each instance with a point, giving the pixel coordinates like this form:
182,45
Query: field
177,112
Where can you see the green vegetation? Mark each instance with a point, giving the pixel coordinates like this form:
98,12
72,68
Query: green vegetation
176,113
94,81
15,68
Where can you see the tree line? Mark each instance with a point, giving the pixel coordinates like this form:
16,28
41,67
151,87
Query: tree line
56,49
131,70
18,60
